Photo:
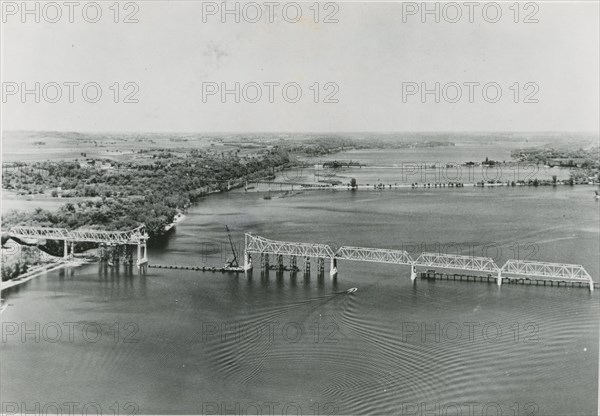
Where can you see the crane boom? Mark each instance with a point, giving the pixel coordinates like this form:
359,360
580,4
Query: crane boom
234,262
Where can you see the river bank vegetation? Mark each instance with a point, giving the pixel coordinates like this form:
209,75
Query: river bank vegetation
148,190
584,163
119,181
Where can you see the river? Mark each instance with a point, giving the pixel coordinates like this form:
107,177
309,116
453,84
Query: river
191,342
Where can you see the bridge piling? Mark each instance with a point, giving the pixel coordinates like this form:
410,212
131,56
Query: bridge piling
333,268
247,261
413,272
142,256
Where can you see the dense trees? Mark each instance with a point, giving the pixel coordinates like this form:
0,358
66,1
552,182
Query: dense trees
127,194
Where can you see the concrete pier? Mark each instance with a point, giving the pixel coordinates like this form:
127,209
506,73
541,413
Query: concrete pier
333,268
247,261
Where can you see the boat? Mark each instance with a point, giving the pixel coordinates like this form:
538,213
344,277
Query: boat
352,290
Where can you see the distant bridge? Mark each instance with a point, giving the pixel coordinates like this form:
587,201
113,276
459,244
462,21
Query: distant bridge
287,183
528,269
342,164
137,237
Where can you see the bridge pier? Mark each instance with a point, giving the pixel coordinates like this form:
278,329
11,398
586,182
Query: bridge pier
499,278
66,250
413,272
280,262
142,256
247,261
115,258
129,254
293,263
333,268
307,265
321,267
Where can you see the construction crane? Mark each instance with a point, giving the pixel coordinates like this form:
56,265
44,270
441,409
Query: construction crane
234,262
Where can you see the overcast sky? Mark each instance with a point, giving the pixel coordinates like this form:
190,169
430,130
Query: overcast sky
369,54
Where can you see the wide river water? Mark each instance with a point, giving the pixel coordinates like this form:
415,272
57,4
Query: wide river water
177,341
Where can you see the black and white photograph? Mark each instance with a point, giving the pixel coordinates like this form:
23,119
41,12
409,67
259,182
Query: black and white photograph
300,208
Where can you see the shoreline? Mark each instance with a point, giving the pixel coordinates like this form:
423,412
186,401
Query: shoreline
382,186
39,270
178,218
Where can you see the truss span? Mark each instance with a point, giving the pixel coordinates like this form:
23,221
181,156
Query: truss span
255,244
453,261
134,236
574,272
565,272
377,255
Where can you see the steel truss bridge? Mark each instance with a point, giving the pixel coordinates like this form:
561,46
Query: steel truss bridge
137,236
288,183
527,269
573,272
92,236
376,255
451,261
259,245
